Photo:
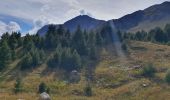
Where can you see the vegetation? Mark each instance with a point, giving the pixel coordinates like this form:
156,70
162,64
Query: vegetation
156,35
167,77
18,86
62,50
88,90
42,88
112,80
148,70
70,48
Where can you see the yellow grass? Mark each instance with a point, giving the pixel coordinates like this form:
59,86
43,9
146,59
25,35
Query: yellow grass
118,82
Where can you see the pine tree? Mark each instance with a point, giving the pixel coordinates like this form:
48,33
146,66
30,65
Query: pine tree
167,30
79,42
93,53
92,46
99,39
76,60
26,62
42,55
66,39
55,61
35,57
13,55
66,59
13,42
5,55
18,86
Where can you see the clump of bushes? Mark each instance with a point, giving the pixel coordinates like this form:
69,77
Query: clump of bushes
148,70
18,86
43,88
167,77
88,91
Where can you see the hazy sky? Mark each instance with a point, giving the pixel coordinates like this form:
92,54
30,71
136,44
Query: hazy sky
30,15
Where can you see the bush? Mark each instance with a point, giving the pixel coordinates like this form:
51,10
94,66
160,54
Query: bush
42,87
167,77
48,90
124,46
148,71
18,86
88,91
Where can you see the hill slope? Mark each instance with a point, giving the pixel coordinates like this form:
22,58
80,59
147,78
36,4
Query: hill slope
154,16
112,79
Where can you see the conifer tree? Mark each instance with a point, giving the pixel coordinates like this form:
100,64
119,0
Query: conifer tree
5,55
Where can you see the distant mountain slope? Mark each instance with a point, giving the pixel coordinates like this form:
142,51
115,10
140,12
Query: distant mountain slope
85,22
154,16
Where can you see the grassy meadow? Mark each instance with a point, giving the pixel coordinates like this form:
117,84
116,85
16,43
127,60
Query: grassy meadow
114,78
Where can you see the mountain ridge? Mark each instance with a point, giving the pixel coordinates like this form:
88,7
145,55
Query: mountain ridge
154,16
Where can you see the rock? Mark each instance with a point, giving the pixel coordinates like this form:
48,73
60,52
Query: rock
137,67
144,85
76,92
44,96
74,76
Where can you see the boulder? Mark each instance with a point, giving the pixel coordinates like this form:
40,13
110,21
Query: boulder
74,76
137,67
44,96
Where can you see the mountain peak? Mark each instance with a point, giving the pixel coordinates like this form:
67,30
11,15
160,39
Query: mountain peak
85,16
86,23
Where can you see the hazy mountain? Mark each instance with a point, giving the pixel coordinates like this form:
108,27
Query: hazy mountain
154,16
85,22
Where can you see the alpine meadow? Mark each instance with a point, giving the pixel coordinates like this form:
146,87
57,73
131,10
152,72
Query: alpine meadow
84,50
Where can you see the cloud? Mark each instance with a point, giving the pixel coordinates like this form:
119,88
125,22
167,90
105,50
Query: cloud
83,12
13,26
10,27
38,23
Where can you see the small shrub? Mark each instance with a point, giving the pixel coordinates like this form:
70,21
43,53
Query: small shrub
18,86
88,91
167,77
42,87
148,71
48,90
124,46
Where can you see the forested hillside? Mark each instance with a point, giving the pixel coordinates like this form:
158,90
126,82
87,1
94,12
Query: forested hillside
68,51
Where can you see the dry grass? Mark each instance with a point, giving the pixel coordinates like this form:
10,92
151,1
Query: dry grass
113,80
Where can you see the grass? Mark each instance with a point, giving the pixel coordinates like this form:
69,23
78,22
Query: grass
113,80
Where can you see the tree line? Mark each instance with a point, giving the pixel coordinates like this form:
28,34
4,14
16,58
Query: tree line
156,35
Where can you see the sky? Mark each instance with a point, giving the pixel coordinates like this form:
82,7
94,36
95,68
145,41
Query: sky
27,16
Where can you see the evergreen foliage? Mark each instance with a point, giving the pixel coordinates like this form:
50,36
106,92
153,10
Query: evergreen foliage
167,77
18,86
42,87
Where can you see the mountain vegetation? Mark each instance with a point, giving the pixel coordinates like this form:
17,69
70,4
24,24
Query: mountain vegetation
156,35
90,59
70,49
